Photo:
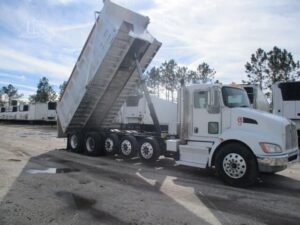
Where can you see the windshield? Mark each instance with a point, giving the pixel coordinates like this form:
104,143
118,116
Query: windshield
235,97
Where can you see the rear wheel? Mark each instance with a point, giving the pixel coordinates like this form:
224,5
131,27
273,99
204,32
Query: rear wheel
129,146
149,150
75,142
93,144
236,165
112,144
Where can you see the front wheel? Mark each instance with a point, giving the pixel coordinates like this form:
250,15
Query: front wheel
236,165
149,150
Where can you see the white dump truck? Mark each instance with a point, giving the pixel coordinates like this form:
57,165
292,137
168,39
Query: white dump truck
216,128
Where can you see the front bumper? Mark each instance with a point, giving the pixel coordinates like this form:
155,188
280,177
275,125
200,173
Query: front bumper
276,163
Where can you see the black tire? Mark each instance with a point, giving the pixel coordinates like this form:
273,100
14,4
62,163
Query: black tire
111,144
129,146
75,142
149,150
236,165
93,144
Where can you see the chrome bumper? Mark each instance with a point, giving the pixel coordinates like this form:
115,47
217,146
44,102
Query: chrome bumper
276,163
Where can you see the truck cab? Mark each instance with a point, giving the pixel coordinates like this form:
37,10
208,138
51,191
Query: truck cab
218,128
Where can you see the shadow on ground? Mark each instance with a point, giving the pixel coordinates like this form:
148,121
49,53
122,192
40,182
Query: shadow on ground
60,187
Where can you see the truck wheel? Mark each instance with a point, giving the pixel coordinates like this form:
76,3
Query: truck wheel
75,142
149,150
129,146
112,144
93,144
236,165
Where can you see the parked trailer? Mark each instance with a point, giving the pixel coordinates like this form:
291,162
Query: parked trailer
257,98
135,114
30,112
286,101
216,126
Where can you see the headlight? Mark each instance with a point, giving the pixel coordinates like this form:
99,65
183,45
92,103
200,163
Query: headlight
270,148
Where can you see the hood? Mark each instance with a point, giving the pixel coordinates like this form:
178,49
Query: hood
259,114
265,121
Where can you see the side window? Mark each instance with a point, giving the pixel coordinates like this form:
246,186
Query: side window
52,106
200,99
25,108
133,101
250,93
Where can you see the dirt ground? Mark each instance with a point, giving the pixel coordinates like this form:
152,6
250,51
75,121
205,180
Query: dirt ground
42,183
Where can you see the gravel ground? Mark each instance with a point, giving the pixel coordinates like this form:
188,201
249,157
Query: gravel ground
42,183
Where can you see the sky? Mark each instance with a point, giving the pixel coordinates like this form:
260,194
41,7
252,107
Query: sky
44,37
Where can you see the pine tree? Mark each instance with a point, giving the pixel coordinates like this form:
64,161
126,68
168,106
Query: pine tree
44,93
257,68
268,68
168,74
62,88
153,80
11,92
204,74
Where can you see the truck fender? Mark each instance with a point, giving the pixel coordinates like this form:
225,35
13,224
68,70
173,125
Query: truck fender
247,138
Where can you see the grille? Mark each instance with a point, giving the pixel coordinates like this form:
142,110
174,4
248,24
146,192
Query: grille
291,136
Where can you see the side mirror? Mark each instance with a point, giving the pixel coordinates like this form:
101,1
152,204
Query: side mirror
214,101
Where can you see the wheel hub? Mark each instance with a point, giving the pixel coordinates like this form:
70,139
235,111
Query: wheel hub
234,165
109,144
147,150
90,144
126,147
74,141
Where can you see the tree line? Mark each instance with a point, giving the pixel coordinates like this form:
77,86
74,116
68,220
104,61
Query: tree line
264,69
267,68
168,77
44,93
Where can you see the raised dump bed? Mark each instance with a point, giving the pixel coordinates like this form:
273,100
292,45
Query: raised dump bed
105,72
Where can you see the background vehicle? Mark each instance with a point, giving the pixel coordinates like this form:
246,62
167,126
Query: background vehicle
286,101
30,112
135,114
257,98
216,128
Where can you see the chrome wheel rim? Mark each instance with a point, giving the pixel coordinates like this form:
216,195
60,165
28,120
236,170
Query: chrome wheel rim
126,147
74,141
90,144
109,145
234,165
146,150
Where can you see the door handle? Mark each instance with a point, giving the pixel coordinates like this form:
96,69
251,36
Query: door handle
196,130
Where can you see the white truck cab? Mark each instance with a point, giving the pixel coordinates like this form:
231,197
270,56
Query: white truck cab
219,129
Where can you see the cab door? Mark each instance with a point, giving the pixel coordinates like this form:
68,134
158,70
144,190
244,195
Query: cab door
206,120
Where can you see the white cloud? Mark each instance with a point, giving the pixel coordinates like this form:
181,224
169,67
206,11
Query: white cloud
13,60
222,33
